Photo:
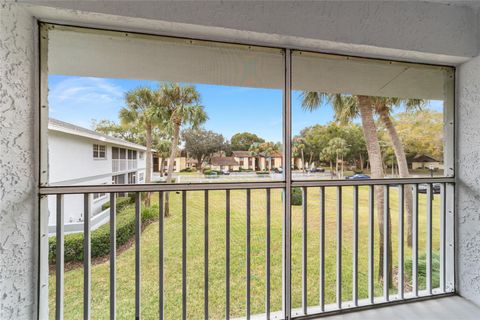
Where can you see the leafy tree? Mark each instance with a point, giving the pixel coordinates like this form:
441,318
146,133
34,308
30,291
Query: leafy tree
421,132
201,144
127,133
243,141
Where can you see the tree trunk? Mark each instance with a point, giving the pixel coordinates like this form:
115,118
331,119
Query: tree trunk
402,167
336,166
162,166
171,159
303,161
375,159
361,162
199,163
148,162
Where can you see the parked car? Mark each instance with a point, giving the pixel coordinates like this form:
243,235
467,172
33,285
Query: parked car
313,170
278,170
225,172
358,176
436,188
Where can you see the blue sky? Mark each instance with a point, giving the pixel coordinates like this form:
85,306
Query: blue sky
79,100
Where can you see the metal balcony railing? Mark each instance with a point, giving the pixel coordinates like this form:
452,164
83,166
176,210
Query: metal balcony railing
331,200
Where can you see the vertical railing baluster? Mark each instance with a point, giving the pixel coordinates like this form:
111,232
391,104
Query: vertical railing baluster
248,254
386,241
138,230
113,255
415,242
322,249
86,256
355,247
161,256
429,239
443,211
205,264
339,248
371,208
227,255
401,193
304,250
267,256
184,255
60,259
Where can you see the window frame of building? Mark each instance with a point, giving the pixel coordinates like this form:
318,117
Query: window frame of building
98,150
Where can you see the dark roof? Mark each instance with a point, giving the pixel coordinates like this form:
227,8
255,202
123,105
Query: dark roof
424,158
242,154
223,161
57,125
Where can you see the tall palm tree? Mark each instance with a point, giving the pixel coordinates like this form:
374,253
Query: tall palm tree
298,148
340,149
143,112
181,106
346,108
384,106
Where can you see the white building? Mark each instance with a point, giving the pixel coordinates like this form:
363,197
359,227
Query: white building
78,156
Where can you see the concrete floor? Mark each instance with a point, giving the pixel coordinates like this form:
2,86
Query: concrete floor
448,308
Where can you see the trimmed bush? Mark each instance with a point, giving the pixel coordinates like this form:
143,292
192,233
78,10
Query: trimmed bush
100,238
296,197
122,202
188,170
263,172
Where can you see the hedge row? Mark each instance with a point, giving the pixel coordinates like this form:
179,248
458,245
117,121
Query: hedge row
122,202
100,238
296,197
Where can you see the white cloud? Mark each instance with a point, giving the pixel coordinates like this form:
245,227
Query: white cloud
78,100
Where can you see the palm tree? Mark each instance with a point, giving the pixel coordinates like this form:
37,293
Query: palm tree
346,108
143,111
384,106
181,106
298,150
340,149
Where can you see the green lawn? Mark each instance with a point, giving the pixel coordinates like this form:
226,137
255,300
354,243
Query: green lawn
195,220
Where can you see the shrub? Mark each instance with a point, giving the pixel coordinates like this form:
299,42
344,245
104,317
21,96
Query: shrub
296,197
263,172
100,238
122,202
188,170
209,172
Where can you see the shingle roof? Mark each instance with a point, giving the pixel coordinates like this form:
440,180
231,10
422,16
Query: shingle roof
242,154
424,158
65,127
223,161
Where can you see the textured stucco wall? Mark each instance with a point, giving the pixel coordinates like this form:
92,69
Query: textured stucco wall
468,186
407,25
18,266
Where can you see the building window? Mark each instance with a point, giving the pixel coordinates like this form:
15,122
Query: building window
99,151
140,177
241,163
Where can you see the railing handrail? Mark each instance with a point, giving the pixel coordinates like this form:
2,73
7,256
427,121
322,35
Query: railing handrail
153,187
